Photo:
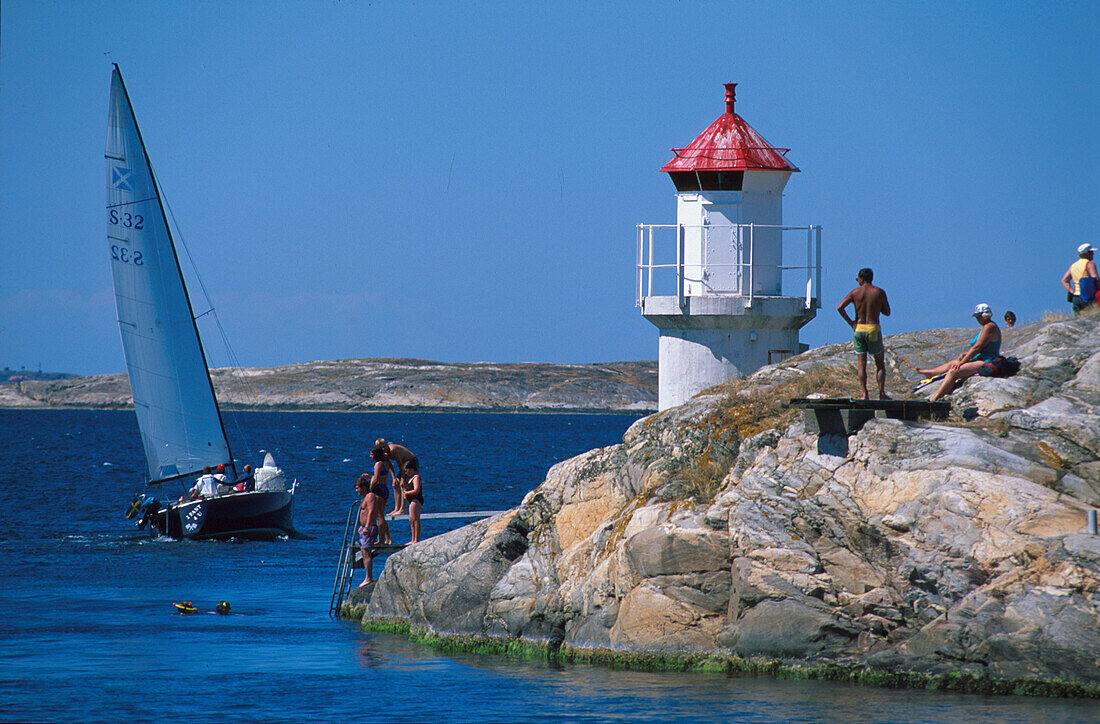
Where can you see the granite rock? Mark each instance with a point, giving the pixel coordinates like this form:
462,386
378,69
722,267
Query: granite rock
913,545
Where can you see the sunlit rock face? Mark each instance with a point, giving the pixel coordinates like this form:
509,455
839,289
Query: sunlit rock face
911,545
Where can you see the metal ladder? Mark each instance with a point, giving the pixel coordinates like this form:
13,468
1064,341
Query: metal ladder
341,586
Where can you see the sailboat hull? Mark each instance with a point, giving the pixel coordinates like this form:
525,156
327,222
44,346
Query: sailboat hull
259,515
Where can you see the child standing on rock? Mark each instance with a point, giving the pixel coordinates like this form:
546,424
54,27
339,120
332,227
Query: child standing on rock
414,495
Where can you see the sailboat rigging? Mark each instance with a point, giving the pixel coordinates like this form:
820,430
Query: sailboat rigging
182,431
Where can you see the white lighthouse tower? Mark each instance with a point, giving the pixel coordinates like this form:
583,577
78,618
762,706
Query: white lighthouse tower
713,283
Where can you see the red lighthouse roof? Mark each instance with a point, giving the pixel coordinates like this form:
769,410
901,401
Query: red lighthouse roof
729,144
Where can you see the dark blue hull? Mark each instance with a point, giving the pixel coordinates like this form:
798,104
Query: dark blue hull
258,515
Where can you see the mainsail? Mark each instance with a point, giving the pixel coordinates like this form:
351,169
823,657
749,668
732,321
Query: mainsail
181,427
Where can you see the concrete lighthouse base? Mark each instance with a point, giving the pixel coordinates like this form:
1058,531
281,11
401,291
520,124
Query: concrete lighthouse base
711,340
692,360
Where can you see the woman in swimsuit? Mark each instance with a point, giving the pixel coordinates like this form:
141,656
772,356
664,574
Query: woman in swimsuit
397,455
414,496
379,491
984,347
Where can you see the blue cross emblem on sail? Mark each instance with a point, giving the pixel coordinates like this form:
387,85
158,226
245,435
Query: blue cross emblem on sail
120,178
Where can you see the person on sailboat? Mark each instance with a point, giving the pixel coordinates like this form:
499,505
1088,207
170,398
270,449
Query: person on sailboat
247,481
205,487
224,486
397,456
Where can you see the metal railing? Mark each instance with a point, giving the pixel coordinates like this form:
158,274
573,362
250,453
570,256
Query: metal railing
748,244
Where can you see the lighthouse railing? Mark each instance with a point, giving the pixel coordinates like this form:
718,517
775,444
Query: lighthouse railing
665,262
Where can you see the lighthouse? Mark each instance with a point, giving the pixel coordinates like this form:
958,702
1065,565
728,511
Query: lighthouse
717,283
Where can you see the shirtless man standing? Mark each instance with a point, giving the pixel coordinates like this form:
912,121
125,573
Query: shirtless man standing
367,537
869,301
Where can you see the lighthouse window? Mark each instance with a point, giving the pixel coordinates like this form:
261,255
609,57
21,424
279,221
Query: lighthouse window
708,180
721,180
685,180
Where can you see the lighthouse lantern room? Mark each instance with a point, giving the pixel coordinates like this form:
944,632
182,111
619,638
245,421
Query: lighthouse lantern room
713,282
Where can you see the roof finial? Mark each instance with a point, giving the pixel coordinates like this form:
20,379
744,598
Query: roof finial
730,96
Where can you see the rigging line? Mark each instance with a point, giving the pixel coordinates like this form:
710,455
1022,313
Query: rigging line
183,242
127,203
234,360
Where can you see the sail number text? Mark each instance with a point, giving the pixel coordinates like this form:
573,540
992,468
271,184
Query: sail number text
130,221
124,255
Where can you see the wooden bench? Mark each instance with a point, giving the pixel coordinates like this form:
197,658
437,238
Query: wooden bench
845,415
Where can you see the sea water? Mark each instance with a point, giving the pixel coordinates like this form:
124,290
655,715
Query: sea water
88,631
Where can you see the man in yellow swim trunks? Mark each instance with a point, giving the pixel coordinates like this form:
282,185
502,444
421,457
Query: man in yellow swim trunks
869,302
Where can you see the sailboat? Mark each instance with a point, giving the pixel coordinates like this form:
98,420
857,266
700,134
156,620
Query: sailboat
181,426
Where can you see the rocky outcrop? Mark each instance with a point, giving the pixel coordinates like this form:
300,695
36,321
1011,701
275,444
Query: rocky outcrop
722,527
383,384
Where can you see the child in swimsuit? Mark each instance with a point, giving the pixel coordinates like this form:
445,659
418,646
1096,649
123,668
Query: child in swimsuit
414,496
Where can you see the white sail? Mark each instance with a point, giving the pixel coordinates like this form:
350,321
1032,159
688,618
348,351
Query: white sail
177,413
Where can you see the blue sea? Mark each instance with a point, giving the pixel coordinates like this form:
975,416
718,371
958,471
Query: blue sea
89,634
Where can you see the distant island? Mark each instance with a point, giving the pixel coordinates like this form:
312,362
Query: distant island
9,375
374,385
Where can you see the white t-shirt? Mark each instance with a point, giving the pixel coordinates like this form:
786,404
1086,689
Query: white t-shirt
207,485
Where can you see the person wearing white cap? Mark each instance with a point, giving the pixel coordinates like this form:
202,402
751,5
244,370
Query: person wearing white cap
1081,280
984,347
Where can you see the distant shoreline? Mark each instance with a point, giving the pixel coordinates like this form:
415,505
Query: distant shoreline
387,410
381,385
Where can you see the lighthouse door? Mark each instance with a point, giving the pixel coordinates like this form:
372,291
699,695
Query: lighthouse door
723,246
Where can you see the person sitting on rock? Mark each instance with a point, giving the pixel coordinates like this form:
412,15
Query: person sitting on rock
984,347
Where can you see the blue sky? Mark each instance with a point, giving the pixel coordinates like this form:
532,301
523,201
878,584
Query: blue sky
461,181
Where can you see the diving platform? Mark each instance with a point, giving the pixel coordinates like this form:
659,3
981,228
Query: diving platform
846,415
